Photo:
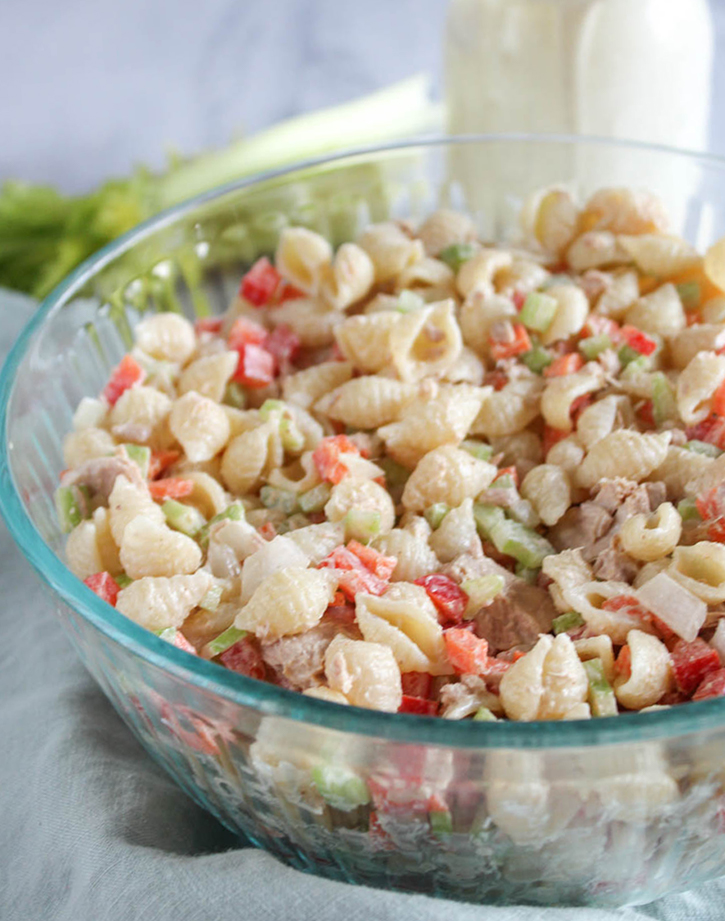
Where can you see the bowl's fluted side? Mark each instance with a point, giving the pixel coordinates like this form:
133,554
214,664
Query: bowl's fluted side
604,824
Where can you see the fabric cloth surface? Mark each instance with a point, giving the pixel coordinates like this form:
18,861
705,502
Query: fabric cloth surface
92,830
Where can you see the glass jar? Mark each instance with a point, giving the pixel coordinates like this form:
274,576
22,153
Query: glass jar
636,69
631,69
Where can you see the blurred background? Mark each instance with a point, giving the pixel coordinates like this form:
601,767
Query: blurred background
90,89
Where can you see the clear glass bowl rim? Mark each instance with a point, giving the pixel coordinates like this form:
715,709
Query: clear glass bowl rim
268,699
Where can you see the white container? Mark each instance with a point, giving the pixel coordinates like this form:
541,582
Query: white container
632,69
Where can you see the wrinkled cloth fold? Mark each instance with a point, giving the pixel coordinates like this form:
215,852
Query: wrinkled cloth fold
92,830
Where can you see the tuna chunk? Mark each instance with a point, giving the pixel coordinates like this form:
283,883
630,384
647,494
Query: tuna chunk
100,474
517,617
616,565
467,566
657,493
299,661
610,494
580,528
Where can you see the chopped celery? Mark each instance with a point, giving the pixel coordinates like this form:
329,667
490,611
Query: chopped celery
340,787
282,499
441,822
315,499
592,347
362,524
628,356
537,359
168,634
484,715
234,512
687,509
269,407
435,514
511,537
122,580
408,301
395,474
210,601
235,396
664,405
538,311
505,481
559,278
601,696
702,447
184,518
456,254
567,621
527,574
690,293
72,506
222,642
477,448
141,456
292,438
639,365
481,591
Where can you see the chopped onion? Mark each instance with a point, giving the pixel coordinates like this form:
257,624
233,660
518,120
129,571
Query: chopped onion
674,605
718,640
279,553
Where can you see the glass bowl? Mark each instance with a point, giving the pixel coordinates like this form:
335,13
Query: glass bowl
600,812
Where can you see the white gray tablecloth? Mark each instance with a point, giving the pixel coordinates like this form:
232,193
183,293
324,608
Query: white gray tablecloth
92,830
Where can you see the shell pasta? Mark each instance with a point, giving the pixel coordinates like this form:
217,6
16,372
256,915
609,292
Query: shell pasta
419,472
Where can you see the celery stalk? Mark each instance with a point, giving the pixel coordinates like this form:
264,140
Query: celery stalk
664,404
340,787
222,642
141,456
315,499
274,498
567,621
702,447
601,696
538,311
481,591
72,506
435,514
235,512
184,518
687,509
362,524
477,448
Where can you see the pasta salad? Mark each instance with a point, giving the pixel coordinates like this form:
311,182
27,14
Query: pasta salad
429,474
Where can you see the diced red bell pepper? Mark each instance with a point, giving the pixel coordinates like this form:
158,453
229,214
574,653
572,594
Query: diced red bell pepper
326,457
496,379
628,604
267,530
208,325
246,332
104,585
127,373
579,405
244,657
693,318
507,471
417,684
288,292
171,488
256,366
467,653
691,662
161,461
623,663
520,343
260,283
637,340
355,581
552,437
711,505
718,401
564,364
341,558
418,705
181,642
713,685
379,564
519,299
448,597
284,343
711,430
646,414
